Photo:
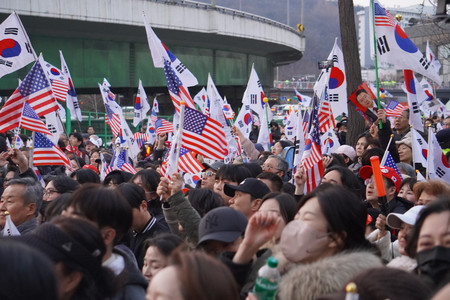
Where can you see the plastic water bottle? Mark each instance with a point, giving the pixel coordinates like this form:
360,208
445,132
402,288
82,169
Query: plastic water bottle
267,282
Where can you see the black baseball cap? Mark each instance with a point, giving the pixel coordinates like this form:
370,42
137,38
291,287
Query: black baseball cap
223,224
252,186
215,165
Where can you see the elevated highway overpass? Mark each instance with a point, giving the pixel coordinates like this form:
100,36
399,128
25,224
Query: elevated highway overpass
104,38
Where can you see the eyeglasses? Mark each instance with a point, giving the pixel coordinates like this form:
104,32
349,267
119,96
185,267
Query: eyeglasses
208,174
49,191
268,167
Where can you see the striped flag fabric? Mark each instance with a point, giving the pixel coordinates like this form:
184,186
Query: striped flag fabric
383,17
312,155
395,108
305,124
59,82
388,161
163,126
203,135
141,138
31,121
46,153
113,121
121,162
34,89
177,91
326,119
186,163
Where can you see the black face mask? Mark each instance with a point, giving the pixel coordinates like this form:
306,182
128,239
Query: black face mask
434,262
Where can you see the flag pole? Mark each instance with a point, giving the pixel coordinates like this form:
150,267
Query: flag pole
383,160
30,161
430,132
266,100
180,134
412,150
380,124
26,35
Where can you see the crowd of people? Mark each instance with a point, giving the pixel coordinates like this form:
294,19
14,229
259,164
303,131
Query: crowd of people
145,236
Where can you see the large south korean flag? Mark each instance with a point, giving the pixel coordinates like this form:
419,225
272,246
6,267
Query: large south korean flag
394,47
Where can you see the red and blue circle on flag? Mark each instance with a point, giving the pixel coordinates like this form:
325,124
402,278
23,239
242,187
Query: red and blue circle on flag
9,48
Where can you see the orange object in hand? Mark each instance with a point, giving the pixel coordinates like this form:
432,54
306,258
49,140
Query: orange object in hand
375,162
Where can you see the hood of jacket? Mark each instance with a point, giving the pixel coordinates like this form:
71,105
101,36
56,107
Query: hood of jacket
309,281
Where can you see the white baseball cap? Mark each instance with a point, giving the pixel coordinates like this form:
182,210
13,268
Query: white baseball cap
395,220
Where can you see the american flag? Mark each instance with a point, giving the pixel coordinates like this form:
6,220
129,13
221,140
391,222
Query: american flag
389,162
203,135
121,162
326,119
395,109
312,155
186,162
112,120
305,124
383,17
163,126
46,153
31,121
34,89
141,138
176,89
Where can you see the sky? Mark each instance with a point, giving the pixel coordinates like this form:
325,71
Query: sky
392,3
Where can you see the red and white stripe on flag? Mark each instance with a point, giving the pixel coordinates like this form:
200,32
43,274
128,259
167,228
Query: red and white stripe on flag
163,126
313,176
46,153
326,119
34,89
203,135
31,121
188,163
60,89
114,124
127,167
141,138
